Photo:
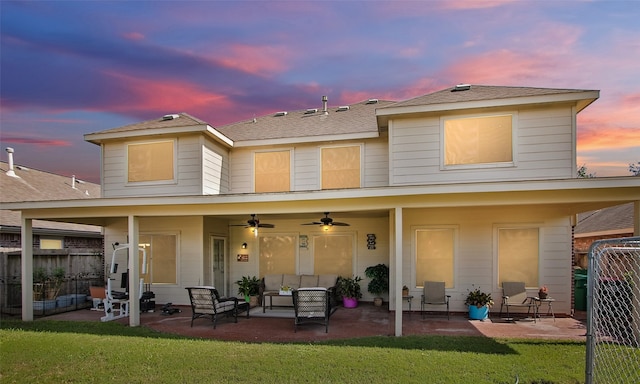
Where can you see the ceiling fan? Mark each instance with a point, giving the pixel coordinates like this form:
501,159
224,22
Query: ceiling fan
254,223
327,222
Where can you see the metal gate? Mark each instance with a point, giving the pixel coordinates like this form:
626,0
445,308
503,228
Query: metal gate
613,312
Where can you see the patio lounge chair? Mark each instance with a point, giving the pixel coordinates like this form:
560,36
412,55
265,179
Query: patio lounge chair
434,294
514,294
206,302
311,305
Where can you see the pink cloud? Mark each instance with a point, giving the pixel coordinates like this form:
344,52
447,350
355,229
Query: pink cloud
168,96
133,36
257,60
38,142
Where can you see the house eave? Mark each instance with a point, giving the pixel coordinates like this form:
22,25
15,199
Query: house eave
582,100
99,138
571,195
306,139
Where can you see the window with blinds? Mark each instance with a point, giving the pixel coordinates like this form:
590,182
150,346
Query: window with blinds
435,251
518,254
272,171
478,140
150,161
340,167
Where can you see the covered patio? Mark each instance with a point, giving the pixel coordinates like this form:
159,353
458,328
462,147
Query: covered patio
363,321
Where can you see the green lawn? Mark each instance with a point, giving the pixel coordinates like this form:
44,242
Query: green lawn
92,352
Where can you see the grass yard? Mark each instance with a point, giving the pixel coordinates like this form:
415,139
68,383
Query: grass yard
90,352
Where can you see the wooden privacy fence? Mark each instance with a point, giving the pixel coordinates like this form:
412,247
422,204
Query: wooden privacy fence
62,278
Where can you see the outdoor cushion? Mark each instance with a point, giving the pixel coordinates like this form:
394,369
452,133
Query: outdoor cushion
308,280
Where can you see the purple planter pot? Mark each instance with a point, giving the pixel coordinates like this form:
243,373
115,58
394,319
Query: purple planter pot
349,302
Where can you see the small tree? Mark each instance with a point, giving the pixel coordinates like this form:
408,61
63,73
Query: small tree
582,173
635,168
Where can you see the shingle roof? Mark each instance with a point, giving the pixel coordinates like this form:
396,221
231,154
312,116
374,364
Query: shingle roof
359,118
185,120
481,92
35,185
613,218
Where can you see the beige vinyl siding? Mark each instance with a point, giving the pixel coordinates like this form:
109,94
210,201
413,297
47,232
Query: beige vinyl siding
306,165
475,263
543,149
188,172
215,170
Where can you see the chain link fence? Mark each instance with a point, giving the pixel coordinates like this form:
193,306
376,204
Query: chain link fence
613,312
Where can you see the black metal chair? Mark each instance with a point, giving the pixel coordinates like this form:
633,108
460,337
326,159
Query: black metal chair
206,302
311,305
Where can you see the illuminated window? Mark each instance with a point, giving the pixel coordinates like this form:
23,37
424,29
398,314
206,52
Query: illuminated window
518,254
162,258
150,161
277,255
333,254
50,243
341,167
272,171
478,140
435,251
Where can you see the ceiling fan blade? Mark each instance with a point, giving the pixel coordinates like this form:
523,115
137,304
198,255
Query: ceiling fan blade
340,224
314,223
266,225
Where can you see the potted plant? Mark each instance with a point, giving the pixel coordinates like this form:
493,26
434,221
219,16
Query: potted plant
479,303
379,283
249,288
543,292
349,289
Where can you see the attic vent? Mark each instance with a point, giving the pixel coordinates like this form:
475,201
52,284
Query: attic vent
170,117
282,113
372,101
311,111
343,108
461,87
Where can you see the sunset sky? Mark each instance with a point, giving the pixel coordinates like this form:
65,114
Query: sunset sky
71,68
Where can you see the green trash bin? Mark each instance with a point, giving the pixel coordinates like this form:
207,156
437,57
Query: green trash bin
580,290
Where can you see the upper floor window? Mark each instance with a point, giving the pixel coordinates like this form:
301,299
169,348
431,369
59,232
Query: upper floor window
340,167
153,161
478,140
272,171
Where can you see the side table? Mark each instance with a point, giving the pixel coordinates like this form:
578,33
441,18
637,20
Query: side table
408,298
549,301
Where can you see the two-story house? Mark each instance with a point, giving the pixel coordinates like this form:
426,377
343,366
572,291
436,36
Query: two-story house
471,185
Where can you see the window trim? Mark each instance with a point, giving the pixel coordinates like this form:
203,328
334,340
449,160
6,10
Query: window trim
173,181
414,251
506,164
291,167
345,145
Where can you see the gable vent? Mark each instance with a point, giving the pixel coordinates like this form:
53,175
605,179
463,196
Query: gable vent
282,113
170,117
343,108
372,101
311,111
461,87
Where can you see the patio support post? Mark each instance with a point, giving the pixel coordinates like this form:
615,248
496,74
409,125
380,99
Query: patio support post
134,271
398,269
26,269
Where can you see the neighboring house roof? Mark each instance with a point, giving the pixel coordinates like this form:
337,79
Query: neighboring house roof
612,220
35,185
357,119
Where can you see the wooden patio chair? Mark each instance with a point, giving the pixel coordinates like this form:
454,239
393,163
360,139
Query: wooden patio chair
514,294
206,302
311,305
434,294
